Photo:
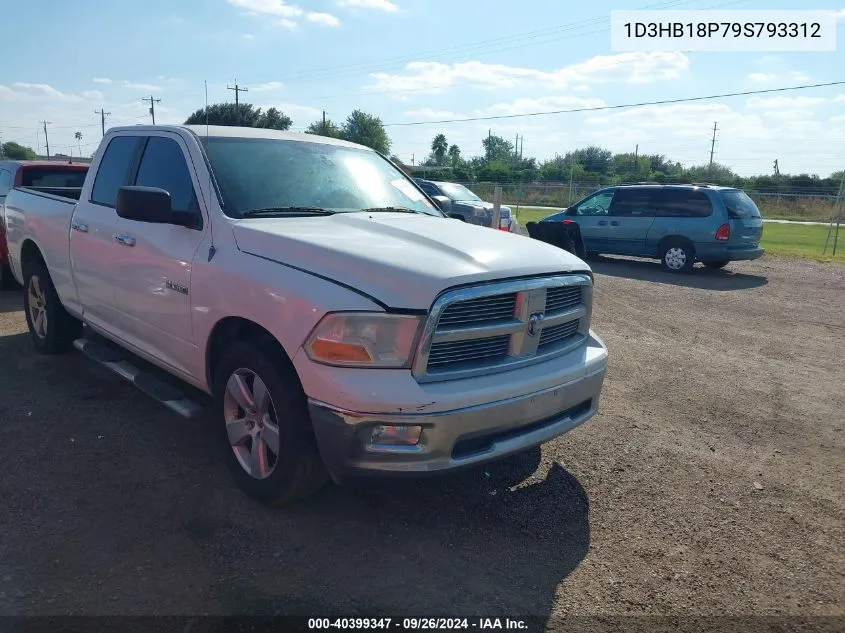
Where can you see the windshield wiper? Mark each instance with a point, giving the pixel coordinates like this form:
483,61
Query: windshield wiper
286,211
392,210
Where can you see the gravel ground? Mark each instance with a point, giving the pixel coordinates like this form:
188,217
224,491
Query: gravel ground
711,482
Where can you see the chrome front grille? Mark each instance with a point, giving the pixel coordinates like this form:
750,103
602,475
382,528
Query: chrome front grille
503,325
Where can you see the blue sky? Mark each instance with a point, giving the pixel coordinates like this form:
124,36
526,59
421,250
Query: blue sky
419,60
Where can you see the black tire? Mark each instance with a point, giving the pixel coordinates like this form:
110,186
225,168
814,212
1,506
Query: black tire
56,333
7,281
716,265
297,470
677,257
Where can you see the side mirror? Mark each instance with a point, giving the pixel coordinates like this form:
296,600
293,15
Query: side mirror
144,204
443,203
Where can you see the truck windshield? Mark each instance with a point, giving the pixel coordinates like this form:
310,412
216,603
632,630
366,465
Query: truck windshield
458,192
279,173
739,204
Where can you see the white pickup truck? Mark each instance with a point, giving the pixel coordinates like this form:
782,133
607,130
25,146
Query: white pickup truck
342,324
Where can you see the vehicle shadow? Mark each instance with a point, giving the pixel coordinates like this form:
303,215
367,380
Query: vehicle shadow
700,277
11,300
152,517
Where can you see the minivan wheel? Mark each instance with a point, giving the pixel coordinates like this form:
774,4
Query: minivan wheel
265,431
716,265
51,328
678,257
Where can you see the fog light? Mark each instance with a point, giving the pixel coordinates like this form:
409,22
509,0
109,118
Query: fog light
396,435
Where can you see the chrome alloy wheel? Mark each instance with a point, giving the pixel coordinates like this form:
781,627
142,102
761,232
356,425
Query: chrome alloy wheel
251,423
37,307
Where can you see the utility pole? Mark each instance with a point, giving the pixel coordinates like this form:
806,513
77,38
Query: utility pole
46,140
324,120
153,103
777,169
712,148
238,90
412,159
103,114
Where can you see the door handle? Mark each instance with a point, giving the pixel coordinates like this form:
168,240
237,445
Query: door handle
602,222
614,223
79,226
126,240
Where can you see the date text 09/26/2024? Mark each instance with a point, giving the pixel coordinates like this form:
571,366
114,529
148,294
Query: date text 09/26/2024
418,624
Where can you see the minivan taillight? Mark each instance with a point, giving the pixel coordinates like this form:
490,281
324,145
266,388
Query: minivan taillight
723,233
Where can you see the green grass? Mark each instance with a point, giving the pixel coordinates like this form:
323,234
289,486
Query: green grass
792,240
797,240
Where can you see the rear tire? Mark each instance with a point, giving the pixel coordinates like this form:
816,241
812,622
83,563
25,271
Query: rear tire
716,265
51,328
677,257
264,426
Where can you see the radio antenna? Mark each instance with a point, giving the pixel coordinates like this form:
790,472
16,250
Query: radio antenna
211,249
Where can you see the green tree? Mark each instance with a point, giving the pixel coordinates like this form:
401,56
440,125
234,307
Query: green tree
497,149
439,147
246,115
454,155
15,151
324,128
366,129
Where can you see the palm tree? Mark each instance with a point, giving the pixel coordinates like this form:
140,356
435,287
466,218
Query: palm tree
439,147
78,137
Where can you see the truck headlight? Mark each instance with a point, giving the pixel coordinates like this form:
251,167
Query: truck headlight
363,339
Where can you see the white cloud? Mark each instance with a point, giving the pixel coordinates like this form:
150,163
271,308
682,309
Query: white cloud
326,19
542,104
839,16
766,59
42,89
266,87
102,80
840,98
268,7
381,5
131,85
762,77
248,36
94,95
789,76
288,24
795,114
434,77
782,103
838,118
430,113
302,115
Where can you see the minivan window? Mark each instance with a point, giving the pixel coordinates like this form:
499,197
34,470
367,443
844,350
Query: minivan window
52,177
682,203
261,173
597,204
113,172
739,204
163,165
634,203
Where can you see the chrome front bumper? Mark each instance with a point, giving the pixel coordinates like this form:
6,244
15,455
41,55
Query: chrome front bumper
457,438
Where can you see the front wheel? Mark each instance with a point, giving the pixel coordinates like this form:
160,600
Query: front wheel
51,328
265,431
716,265
678,258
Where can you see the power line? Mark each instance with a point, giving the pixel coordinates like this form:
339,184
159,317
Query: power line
618,106
237,90
103,114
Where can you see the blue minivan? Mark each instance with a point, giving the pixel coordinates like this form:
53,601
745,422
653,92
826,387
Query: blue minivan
678,224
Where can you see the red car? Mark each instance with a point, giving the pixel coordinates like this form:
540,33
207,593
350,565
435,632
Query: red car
42,175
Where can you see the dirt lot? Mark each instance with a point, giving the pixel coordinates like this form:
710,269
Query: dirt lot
711,483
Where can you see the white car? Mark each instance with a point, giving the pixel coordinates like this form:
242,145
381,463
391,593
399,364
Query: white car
342,324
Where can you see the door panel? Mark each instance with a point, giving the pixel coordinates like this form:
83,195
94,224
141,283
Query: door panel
591,215
631,216
155,263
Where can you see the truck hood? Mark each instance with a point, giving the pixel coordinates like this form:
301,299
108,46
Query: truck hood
402,260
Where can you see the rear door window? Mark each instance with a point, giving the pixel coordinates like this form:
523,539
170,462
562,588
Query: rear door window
163,165
115,169
682,203
633,203
5,182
